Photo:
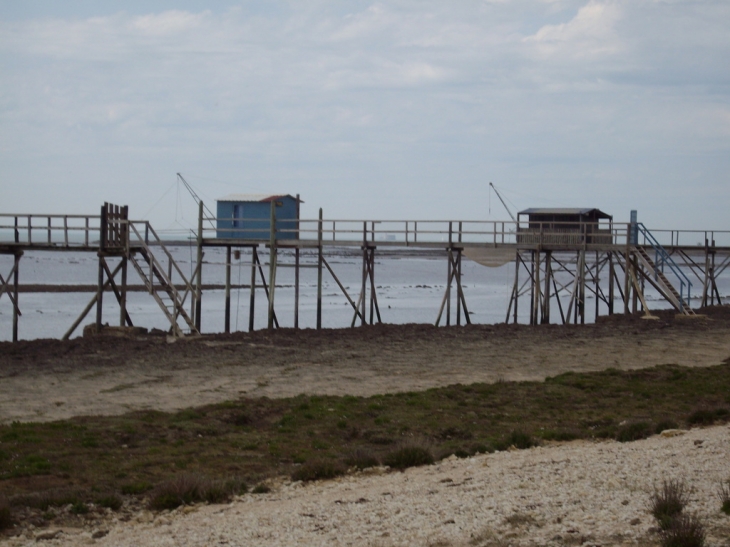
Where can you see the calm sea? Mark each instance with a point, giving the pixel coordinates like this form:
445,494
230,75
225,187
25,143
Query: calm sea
409,290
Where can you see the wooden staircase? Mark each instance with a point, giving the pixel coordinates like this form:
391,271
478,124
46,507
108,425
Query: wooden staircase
159,283
661,283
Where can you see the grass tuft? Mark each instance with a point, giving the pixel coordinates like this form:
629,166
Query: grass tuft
633,432
410,454
667,503
723,493
708,417
261,488
362,458
110,501
663,425
6,517
684,531
188,489
318,469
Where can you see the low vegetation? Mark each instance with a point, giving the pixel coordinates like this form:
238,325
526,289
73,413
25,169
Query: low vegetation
678,529
723,492
668,502
168,459
684,531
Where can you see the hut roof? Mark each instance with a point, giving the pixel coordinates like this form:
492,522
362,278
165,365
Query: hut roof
577,211
255,198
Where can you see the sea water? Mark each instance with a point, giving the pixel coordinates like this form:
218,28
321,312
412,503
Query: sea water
409,289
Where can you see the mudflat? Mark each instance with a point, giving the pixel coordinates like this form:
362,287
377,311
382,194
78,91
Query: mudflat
46,380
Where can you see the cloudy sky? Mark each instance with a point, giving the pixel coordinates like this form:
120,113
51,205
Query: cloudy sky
378,110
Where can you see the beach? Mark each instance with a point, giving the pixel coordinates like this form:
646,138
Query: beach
580,492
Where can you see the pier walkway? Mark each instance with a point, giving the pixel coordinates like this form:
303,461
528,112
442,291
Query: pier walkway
556,267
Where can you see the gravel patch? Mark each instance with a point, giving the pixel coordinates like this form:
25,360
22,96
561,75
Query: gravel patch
577,493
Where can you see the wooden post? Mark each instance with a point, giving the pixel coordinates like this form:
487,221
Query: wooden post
705,283
319,270
449,275
518,259
296,287
546,297
582,286
199,283
227,327
272,263
100,287
252,298
537,286
124,232
457,273
16,303
532,287
611,281
123,294
596,287
448,285
364,271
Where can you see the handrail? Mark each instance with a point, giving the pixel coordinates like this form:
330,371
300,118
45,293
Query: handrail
663,257
44,232
413,232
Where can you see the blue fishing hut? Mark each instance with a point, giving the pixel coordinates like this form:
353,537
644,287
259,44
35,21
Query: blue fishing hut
248,216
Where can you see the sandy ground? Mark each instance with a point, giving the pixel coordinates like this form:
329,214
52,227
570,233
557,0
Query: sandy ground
48,380
594,494
579,493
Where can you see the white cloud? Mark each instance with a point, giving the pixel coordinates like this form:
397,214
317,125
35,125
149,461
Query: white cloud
591,33
394,95
168,22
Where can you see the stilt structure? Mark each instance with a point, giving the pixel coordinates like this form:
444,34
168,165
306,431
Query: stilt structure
571,272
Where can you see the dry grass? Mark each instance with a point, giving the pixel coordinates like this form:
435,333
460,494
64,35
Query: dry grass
684,531
132,454
723,492
6,517
666,504
187,489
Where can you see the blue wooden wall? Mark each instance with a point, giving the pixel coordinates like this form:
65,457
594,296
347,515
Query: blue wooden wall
251,219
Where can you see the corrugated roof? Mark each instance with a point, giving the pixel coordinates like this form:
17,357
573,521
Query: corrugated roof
564,211
254,197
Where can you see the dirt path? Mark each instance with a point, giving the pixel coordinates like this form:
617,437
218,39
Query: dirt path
48,380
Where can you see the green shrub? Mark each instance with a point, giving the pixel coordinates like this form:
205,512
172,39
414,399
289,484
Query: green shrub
664,425
362,458
6,517
667,503
261,488
136,488
701,417
188,489
633,432
318,469
79,508
110,501
409,455
518,439
684,531
724,495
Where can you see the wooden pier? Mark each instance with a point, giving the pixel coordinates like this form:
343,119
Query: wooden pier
556,268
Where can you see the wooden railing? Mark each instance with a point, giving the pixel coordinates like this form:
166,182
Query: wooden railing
61,231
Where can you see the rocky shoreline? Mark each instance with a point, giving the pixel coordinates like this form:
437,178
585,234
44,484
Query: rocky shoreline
576,493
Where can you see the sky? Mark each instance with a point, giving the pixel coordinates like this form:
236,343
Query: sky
368,110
